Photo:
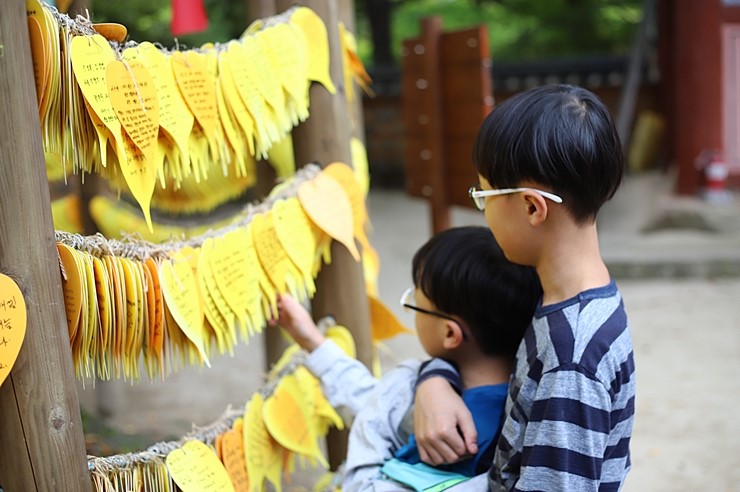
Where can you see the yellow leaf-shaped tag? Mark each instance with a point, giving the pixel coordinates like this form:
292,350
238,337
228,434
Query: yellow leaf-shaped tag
317,42
175,117
280,156
326,203
343,338
198,87
266,130
196,468
359,164
271,254
235,104
133,95
385,324
72,287
238,283
12,324
287,415
213,314
263,455
90,57
104,292
343,174
293,228
180,292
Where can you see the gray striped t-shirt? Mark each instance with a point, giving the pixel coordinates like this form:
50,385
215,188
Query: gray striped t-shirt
569,414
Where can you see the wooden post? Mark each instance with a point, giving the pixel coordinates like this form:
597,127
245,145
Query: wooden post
324,138
40,427
447,93
424,95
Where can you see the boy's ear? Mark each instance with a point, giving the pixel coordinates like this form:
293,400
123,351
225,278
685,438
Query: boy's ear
454,335
536,206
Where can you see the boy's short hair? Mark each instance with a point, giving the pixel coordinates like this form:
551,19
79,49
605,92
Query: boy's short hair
560,136
465,274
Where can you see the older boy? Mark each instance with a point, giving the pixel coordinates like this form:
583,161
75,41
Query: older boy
547,160
471,307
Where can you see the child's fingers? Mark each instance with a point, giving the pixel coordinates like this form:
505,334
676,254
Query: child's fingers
469,434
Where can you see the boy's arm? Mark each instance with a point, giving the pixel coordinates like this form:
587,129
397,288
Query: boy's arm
567,434
444,428
345,381
375,435
294,318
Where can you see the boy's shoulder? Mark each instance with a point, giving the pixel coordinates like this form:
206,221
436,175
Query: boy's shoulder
583,330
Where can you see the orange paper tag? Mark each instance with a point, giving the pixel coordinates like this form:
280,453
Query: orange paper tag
12,324
232,451
72,287
384,323
111,31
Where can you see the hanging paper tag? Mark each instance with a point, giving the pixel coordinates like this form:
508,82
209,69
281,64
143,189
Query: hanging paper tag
196,468
12,324
326,203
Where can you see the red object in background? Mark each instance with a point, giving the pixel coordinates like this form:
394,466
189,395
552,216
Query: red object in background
188,16
716,173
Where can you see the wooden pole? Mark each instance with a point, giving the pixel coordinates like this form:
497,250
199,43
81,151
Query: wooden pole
40,427
324,138
431,88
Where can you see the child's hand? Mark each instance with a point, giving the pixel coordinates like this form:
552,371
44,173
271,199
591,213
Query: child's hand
444,428
298,323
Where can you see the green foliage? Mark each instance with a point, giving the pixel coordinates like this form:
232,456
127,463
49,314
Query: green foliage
149,20
518,29
523,29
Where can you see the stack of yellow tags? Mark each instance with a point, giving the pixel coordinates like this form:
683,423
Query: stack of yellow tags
140,115
163,307
287,420
281,424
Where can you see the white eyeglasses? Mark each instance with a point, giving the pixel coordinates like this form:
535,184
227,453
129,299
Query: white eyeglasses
478,196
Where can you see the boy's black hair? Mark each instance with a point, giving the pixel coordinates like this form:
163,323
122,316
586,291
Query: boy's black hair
560,136
465,274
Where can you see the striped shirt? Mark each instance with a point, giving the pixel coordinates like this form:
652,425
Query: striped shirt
571,400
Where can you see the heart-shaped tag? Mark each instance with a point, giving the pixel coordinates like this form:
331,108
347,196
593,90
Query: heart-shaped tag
196,468
326,203
12,324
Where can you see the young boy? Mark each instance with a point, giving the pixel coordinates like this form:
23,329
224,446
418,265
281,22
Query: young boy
471,307
547,160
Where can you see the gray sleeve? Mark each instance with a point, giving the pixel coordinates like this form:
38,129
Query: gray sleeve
346,382
374,436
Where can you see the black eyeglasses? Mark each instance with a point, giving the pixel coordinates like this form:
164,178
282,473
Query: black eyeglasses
408,303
